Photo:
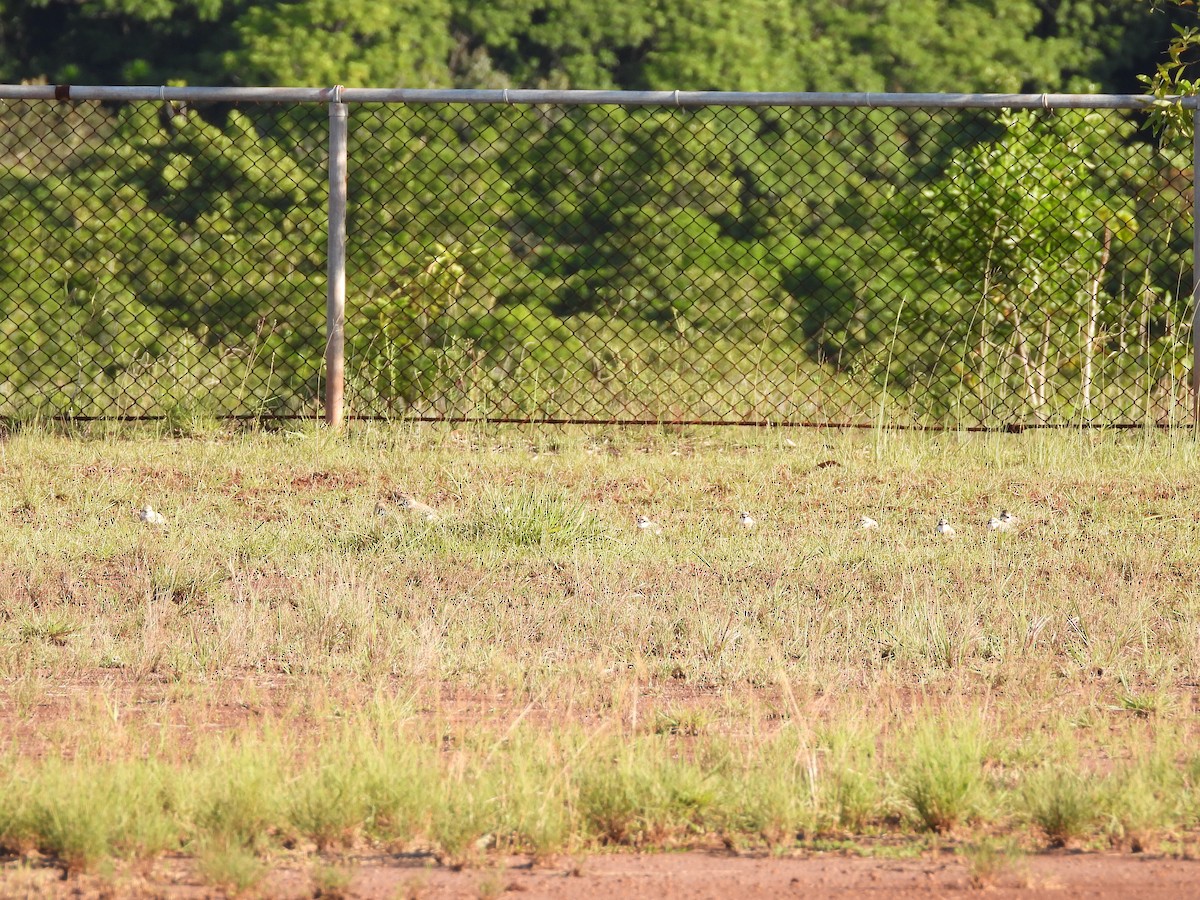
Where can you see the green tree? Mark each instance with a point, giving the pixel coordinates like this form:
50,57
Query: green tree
1176,76
865,45
190,256
1105,45
117,41
558,43
1022,233
762,45
360,43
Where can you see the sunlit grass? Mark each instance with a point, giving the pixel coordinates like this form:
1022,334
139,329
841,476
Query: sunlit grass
280,667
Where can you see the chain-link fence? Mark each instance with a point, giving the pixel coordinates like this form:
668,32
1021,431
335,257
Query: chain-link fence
783,259
161,259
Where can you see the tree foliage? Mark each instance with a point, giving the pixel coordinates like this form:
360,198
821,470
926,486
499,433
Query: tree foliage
362,43
1176,76
918,45
1021,232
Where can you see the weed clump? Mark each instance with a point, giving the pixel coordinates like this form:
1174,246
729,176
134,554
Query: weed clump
943,781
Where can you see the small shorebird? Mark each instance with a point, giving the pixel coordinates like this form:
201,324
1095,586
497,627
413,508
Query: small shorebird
412,504
745,519
648,526
150,517
944,527
867,524
1006,521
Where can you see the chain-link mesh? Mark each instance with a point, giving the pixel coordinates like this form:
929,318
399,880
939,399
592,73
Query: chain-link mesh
964,268
766,264
161,260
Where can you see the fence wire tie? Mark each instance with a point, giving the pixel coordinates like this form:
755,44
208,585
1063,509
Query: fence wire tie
675,93
506,100
1045,102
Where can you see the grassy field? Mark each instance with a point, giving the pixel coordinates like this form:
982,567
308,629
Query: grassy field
281,672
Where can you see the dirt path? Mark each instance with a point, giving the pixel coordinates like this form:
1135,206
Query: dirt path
676,876
670,876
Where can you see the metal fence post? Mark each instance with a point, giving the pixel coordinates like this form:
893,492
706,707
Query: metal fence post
335,295
1195,265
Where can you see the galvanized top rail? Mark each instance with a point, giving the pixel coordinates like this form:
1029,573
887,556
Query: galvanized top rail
68,92
341,94
765,98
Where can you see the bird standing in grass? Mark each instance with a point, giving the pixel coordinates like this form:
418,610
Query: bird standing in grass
147,515
745,520
412,504
944,527
1006,521
646,525
867,524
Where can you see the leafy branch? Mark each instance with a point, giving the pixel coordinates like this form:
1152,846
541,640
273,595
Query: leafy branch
1173,79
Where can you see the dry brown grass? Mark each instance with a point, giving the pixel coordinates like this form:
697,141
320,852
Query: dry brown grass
531,630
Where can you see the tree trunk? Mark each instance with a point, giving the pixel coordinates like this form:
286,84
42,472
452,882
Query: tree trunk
1022,351
980,386
1089,340
1043,361
1035,370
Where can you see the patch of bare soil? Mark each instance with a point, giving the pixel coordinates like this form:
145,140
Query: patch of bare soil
664,876
35,713
38,711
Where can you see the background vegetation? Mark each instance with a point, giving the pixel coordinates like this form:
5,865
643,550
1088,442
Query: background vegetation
751,45
598,262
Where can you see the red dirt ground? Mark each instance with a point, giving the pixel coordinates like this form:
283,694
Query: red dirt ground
668,876
675,876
